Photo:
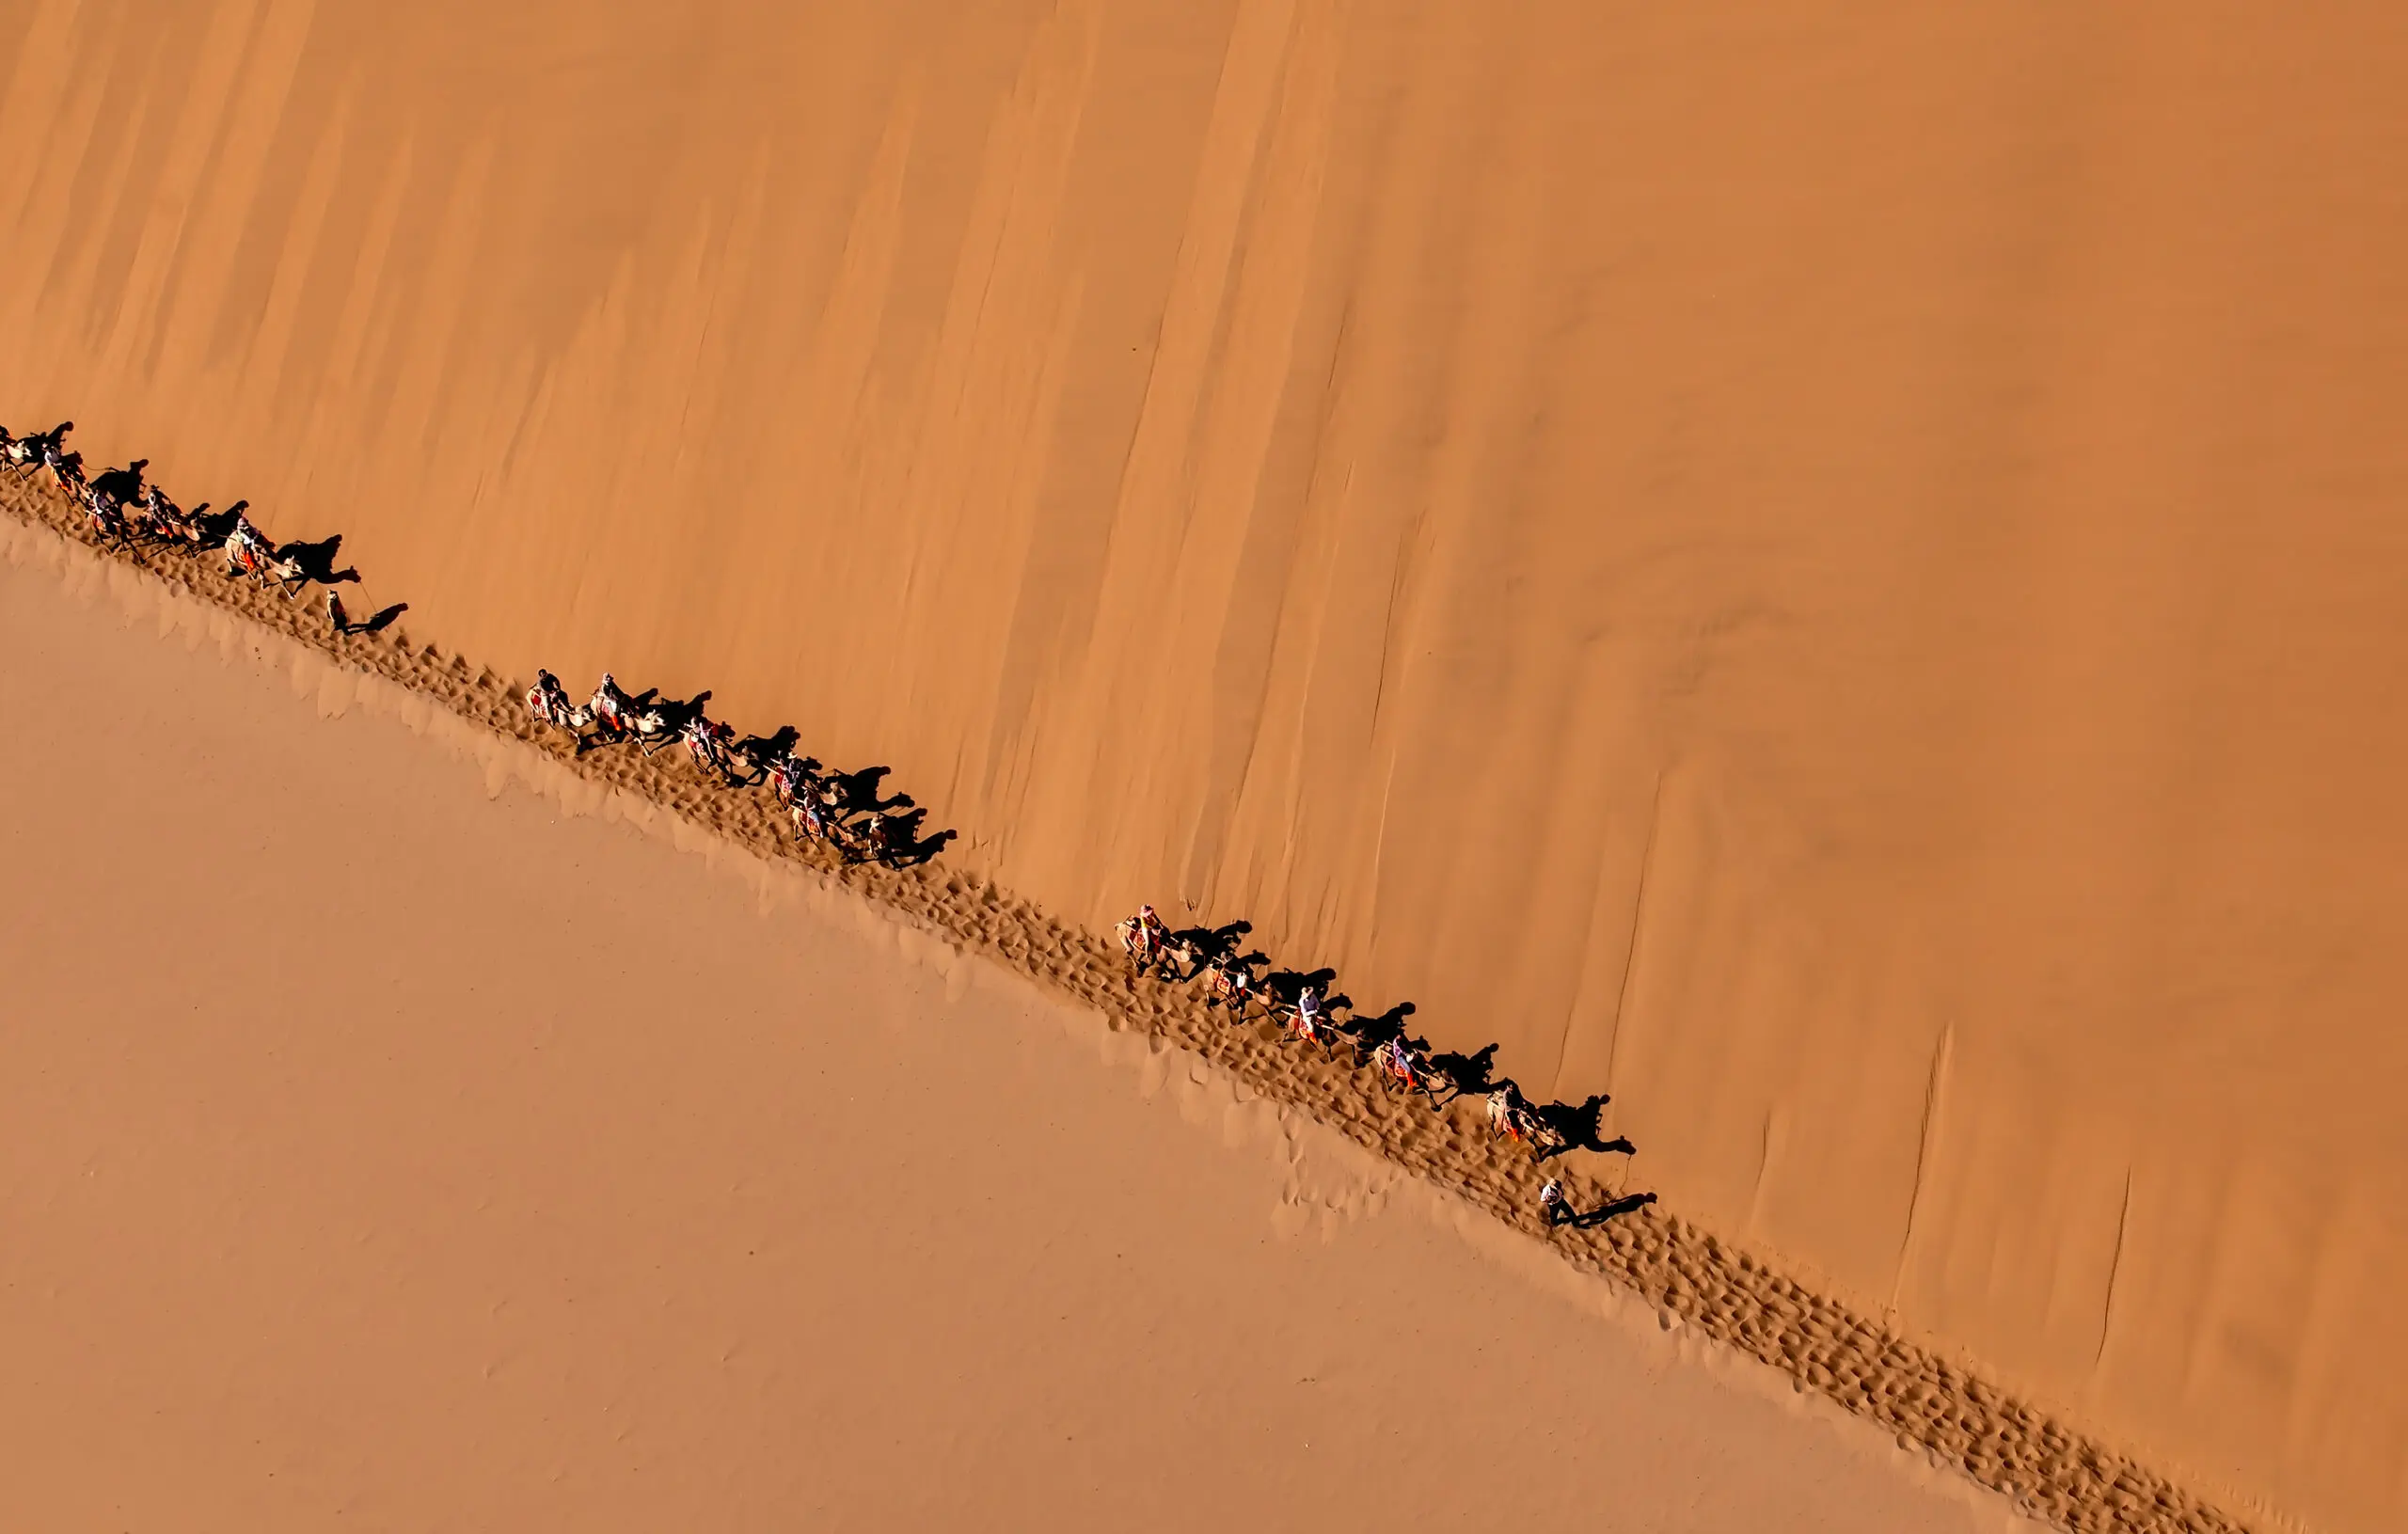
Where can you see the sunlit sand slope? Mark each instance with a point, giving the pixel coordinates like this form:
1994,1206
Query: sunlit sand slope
382,1151
1840,577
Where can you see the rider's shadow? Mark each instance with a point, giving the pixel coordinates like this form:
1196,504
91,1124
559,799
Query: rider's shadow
1578,1128
1215,943
857,792
1285,986
1470,1075
763,749
317,561
375,623
121,483
216,526
1367,1034
924,848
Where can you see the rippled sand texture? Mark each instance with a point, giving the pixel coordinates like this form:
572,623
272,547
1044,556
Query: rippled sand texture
1840,578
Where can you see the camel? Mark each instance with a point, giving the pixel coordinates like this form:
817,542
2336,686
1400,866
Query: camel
882,841
1306,1020
794,779
1143,938
1511,1114
657,726
107,517
1183,959
547,701
706,741
27,453
1232,986
1400,1062
288,573
157,517
247,550
810,819
610,712
651,730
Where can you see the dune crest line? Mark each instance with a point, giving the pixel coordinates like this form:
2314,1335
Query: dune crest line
2047,1468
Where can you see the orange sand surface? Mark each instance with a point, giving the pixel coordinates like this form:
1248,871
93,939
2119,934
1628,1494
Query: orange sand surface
380,1141
1837,575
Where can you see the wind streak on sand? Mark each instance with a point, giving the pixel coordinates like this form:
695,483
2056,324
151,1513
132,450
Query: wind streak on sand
2049,1470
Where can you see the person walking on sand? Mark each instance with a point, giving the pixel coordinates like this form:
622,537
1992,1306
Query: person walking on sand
1553,1206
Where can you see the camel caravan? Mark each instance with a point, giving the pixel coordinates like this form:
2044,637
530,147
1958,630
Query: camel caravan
129,513
1304,1011
845,813
841,811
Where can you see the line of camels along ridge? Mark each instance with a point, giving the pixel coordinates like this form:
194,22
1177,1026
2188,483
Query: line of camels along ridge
1304,1009
846,813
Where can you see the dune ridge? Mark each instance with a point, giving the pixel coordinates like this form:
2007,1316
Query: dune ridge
1833,574
2048,1468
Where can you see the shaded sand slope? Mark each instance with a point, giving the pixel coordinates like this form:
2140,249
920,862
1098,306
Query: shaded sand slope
1838,578
375,1147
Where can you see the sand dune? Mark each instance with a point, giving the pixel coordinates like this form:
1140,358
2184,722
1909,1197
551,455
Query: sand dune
1836,578
2045,1466
384,1152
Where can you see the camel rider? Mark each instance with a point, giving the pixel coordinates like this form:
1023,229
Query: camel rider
1308,1010
608,704
785,776
1151,931
1233,985
811,817
1505,1112
707,741
246,541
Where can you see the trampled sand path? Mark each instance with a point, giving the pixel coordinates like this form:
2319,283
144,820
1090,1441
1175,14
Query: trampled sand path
2047,1468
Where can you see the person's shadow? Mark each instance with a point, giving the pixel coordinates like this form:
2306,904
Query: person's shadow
377,624
1604,1212
919,849
856,793
1285,986
1611,1209
759,752
216,526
